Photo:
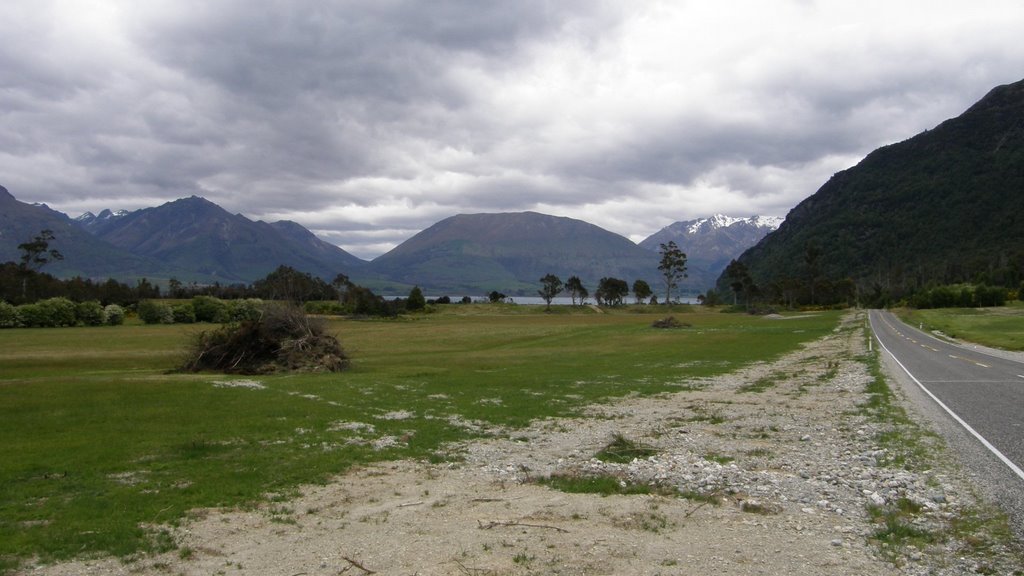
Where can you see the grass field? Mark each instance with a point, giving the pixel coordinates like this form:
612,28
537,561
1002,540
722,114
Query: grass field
102,443
1001,327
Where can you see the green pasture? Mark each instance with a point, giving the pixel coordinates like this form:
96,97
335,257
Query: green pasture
102,443
1001,327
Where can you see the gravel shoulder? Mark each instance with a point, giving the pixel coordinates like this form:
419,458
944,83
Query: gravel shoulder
783,448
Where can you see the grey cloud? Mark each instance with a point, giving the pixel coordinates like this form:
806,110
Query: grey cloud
410,111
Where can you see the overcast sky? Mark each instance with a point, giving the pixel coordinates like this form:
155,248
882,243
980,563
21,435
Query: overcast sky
367,121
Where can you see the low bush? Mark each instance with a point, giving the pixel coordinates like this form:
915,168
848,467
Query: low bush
153,312
89,313
183,313
113,315
209,309
61,311
32,316
49,313
670,322
9,317
324,307
246,309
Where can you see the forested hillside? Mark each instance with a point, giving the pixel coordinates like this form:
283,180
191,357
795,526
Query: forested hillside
945,206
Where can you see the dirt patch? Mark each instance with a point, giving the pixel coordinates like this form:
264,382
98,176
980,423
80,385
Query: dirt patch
776,482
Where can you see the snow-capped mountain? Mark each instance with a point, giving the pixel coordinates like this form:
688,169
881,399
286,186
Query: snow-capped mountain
94,222
734,230
710,243
706,225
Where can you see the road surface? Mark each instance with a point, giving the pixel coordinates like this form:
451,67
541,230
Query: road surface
976,398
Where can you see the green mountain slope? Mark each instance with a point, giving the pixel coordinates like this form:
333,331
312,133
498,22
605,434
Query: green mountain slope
477,253
84,254
944,206
198,235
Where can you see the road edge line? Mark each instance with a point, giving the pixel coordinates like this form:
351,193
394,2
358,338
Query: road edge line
1016,469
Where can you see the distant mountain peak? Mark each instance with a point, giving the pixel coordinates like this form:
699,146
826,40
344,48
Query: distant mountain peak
477,253
719,221
711,242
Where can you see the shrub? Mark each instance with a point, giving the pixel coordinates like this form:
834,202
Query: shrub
183,313
113,315
153,312
9,317
282,339
670,322
247,309
60,310
209,309
323,307
32,316
89,313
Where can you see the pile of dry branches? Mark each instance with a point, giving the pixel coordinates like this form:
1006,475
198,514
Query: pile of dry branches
284,338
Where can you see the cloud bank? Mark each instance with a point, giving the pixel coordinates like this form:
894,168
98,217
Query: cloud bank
367,121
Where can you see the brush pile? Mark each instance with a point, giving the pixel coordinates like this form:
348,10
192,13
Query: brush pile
670,322
282,339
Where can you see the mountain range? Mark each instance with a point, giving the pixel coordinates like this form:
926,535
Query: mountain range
711,243
942,207
193,239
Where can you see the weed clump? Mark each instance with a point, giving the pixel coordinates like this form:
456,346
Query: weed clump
281,339
670,322
623,451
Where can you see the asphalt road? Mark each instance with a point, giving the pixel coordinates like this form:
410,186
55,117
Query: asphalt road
975,398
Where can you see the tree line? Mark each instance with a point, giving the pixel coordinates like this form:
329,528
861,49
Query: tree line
813,288
613,291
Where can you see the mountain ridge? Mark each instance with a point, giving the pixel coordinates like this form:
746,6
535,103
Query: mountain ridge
197,234
711,243
511,252
941,207
193,239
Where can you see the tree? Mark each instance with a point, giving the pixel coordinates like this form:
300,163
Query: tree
710,298
175,288
576,290
672,266
416,301
611,291
551,286
740,281
811,255
287,283
342,283
495,297
641,291
37,253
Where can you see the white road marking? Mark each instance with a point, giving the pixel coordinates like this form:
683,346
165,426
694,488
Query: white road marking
1013,467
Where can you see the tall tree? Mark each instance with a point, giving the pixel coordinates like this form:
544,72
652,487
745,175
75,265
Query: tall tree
551,286
811,256
576,290
37,253
740,281
641,291
672,266
611,291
